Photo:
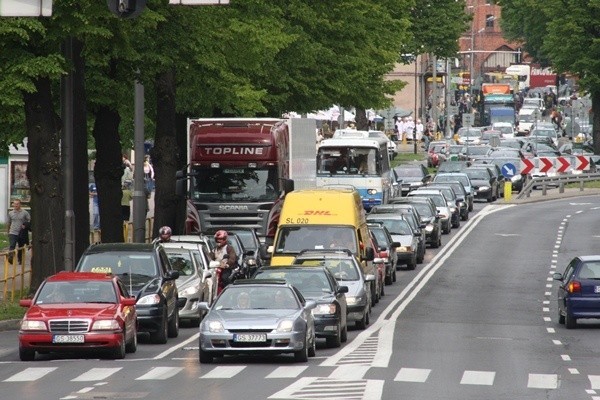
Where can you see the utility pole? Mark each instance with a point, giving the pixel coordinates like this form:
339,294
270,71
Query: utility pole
448,131
434,94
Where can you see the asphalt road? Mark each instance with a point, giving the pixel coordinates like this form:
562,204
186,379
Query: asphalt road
476,320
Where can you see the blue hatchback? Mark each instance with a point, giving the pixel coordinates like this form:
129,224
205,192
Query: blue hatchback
579,290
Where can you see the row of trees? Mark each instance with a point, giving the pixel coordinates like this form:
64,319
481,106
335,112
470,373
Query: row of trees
251,58
564,35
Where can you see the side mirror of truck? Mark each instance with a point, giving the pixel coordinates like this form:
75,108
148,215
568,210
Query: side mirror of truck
288,185
180,183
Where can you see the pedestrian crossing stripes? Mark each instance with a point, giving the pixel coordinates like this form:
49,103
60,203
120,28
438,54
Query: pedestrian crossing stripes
352,377
331,389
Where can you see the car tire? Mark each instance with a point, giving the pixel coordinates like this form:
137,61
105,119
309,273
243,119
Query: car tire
302,355
118,353
205,357
362,323
447,229
26,354
382,290
561,318
389,279
465,216
335,341
457,224
312,350
570,321
412,264
344,337
421,256
131,347
160,336
394,275
173,329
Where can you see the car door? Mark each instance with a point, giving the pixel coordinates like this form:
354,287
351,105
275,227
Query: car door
168,286
563,292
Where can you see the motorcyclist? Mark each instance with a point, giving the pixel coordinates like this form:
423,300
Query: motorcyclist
164,235
225,254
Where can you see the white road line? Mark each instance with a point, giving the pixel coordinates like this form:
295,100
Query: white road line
86,390
412,375
177,346
542,381
557,342
478,378
574,371
594,381
159,373
288,392
96,374
565,357
547,319
30,374
286,372
224,372
349,372
551,330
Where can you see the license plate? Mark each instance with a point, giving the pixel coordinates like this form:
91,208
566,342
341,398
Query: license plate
249,337
68,339
597,289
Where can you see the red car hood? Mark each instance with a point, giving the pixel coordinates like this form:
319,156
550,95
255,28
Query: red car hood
53,311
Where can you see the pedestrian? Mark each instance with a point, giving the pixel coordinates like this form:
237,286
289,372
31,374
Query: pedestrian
420,129
95,207
17,220
148,175
126,162
126,201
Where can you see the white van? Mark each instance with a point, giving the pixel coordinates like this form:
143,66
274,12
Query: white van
526,120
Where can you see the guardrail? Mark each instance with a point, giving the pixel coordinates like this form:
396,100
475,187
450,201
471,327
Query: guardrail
17,271
557,181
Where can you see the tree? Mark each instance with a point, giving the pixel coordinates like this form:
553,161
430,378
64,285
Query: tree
566,34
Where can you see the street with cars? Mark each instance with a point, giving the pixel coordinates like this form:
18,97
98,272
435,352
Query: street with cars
479,318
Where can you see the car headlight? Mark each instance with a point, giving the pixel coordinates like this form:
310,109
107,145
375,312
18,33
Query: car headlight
372,191
215,327
251,262
416,184
106,325
28,325
483,188
405,249
452,209
352,300
324,309
149,300
189,291
429,228
285,326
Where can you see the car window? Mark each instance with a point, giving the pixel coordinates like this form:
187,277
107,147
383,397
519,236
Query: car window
344,270
182,262
306,281
589,270
119,263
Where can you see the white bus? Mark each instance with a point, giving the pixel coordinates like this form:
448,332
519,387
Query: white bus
522,72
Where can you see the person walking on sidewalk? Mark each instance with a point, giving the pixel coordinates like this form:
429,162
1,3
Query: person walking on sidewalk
18,219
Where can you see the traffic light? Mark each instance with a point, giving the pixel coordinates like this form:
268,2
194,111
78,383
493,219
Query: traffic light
126,8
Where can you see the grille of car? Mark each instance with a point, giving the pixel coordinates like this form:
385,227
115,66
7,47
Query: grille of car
69,325
250,344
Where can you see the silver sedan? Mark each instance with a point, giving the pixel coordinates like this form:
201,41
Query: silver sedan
260,317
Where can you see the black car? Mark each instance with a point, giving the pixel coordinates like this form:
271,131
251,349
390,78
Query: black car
255,250
411,176
485,185
496,171
461,194
146,271
318,284
429,217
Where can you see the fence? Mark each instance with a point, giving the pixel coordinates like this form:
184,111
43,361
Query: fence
559,181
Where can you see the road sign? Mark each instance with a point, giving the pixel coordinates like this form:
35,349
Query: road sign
547,164
582,162
467,119
509,170
564,164
26,8
526,166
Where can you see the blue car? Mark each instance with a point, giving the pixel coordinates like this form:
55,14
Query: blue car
579,290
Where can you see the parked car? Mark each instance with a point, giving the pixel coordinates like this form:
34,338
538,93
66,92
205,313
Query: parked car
347,270
579,290
76,312
195,283
318,284
146,271
258,317
411,176
430,220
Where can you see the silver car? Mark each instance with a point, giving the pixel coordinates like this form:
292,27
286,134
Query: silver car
262,317
195,283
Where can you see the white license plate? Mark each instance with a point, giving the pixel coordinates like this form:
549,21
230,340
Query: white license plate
68,339
597,289
249,337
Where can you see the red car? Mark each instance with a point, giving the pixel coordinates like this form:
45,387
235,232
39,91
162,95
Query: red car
79,311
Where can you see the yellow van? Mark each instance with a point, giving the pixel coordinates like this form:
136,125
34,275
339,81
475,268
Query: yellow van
322,218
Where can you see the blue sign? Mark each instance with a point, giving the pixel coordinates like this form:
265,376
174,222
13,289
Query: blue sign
509,170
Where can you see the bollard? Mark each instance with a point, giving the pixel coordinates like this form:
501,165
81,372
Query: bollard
507,190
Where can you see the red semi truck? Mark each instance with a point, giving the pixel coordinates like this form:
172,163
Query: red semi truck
241,168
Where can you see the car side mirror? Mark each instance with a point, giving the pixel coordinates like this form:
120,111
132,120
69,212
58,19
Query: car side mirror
25,302
310,304
369,254
213,264
206,275
557,276
369,278
343,289
394,245
172,274
203,306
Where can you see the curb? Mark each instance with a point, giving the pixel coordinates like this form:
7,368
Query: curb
9,325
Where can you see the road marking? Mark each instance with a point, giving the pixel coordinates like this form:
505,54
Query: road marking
551,330
412,375
86,390
160,373
349,372
574,371
565,357
557,342
96,374
30,374
286,372
177,346
331,389
478,378
542,381
224,372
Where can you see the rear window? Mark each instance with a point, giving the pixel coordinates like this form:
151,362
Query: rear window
590,270
119,263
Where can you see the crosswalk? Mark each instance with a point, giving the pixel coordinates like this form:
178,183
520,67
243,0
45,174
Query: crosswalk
343,375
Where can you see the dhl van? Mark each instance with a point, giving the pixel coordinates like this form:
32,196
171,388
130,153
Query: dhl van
323,218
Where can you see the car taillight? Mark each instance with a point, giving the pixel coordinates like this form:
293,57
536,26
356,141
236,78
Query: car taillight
383,254
574,287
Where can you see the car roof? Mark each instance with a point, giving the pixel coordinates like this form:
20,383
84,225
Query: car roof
324,253
65,276
260,282
182,245
126,247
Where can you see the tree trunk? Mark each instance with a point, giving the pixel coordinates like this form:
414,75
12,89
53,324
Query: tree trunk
165,155
108,171
81,199
362,122
45,176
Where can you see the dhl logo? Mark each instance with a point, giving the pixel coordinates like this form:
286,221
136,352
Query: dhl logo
317,212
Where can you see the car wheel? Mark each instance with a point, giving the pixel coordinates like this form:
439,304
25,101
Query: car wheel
446,229
561,318
335,341
131,347
412,264
394,275
302,355
344,337
26,354
312,350
570,321
421,256
490,198
205,357
160,336
382,289
173,330
457,223
465,216
362,323
118,353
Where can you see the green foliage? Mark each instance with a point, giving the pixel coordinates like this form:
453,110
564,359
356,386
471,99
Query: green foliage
11,310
